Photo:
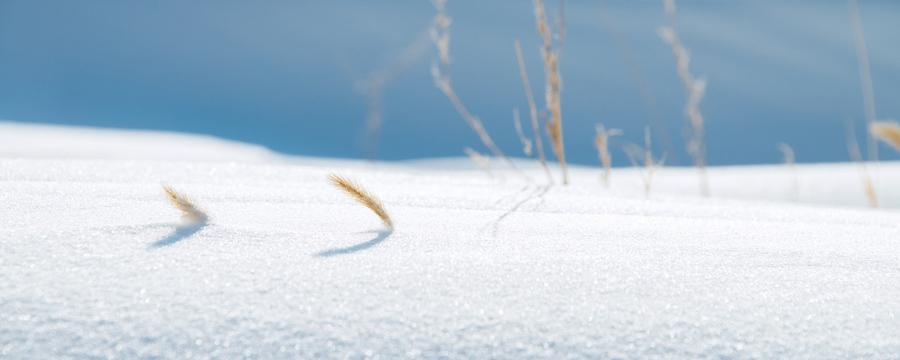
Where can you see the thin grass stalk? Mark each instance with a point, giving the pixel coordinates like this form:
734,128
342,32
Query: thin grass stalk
642,158
526,142
695,88
601,142
865,75
553,88
440,35
532,110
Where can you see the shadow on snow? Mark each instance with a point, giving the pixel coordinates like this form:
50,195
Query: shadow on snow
181,232
381,235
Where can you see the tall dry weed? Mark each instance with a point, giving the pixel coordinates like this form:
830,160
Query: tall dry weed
695,88
553,88
865,75
440,36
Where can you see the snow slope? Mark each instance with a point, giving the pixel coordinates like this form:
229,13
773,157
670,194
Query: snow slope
93,263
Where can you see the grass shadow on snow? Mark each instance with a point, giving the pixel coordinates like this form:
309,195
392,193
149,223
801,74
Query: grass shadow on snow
381,235
181,232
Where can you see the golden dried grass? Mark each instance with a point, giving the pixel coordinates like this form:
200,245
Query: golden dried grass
553,88
363,197
887,131
189,211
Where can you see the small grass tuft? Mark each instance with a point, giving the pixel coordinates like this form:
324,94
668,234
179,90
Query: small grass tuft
189,211
648,163
887,131
601,141
363,197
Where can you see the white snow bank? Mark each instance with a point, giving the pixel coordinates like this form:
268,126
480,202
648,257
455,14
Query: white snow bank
92,264
54,141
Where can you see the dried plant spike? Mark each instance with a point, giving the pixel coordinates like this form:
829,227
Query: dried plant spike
532,110
644,156
363,197
601,141
553,88
440,31
526,142
887,131
189,211
695,88
865,75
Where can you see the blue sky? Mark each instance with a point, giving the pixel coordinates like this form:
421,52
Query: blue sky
285,74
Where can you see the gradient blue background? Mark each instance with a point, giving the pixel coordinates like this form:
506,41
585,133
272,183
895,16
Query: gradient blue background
285,74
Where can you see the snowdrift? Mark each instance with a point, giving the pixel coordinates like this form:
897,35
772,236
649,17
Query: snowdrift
95,263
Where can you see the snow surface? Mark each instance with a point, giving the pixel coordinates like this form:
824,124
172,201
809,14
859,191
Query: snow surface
94,263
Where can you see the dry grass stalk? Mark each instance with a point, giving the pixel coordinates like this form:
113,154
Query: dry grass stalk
601,141
532,110
649,164
887,131
790,161
526,142
440,35
363,197
553,88
669,7
483,162
440,31
856,156
189,211
865,75
695,88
